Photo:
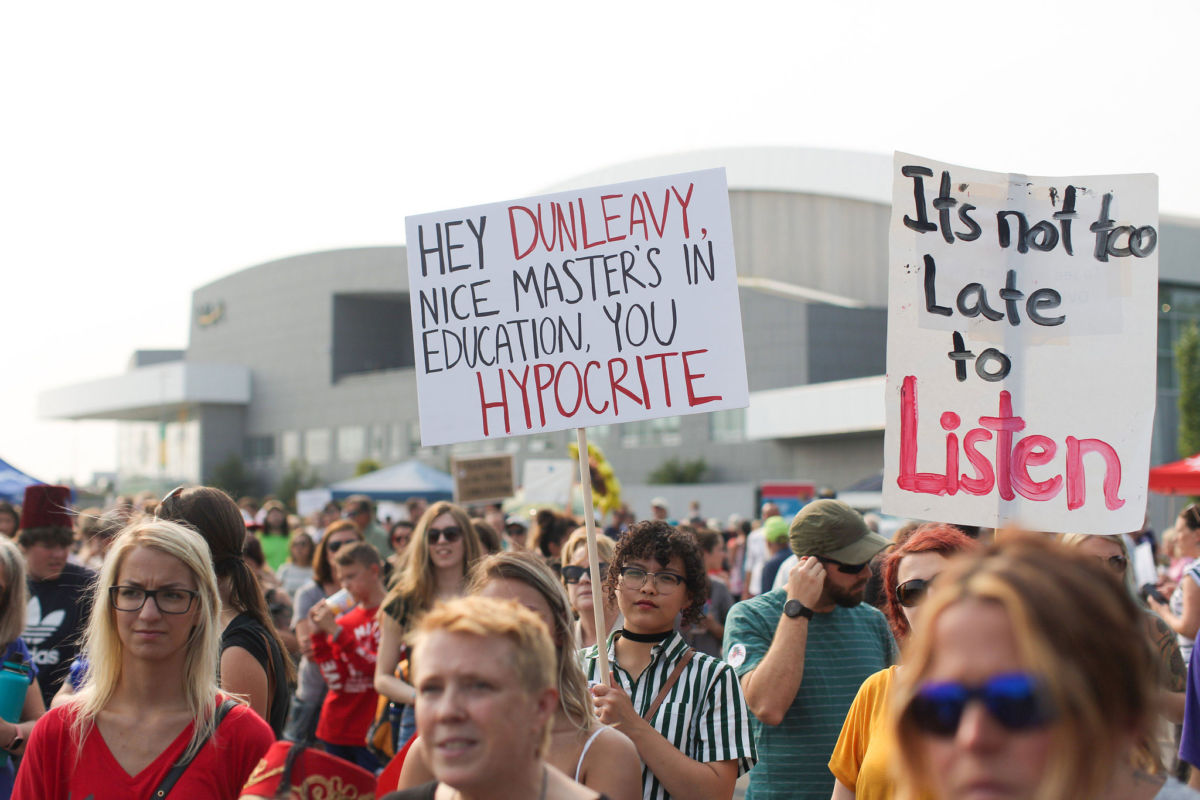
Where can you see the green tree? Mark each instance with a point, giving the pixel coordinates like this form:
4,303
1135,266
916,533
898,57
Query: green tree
1187,368
232,476
299,475
675,471
365,466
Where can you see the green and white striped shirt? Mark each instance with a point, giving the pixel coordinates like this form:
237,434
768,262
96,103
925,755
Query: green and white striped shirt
704,715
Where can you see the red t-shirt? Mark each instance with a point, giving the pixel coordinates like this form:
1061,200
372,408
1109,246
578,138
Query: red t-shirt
49,770
348,665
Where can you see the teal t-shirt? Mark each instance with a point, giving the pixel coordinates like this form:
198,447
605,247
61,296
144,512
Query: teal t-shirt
845,647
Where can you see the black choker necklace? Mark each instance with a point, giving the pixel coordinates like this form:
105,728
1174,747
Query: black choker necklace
645,638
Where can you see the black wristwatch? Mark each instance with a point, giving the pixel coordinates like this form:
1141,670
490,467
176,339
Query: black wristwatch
794,608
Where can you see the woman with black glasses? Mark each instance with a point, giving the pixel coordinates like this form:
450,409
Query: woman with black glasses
577,578
683,710
149,715
861,760
442,550
1028,677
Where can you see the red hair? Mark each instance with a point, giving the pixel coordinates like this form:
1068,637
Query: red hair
932,537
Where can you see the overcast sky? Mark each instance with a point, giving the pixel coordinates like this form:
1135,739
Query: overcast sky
149,148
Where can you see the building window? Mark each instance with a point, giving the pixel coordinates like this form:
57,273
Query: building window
1178,307
727,426
662,432
377,442
351,443
289,446
317,448
256,448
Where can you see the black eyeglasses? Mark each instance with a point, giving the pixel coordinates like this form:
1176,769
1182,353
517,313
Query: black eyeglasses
664,582
849,569
573,574
168,601
911,593
449,534
1017,700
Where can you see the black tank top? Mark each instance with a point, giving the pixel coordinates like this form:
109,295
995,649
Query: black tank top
247,633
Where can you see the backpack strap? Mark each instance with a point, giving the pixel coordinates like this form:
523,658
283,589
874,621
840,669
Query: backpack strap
176,772
672,679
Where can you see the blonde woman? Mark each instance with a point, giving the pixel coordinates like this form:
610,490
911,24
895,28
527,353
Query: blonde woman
444,545
149,710
14,594
485,676
577,577
593,754
1030,677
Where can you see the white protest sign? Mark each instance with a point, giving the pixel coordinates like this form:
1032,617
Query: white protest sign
590,307
1022,317
548,481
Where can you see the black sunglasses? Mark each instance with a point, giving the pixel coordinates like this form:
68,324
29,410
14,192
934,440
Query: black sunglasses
573,574
849,569
336,545
1017,700
449,534
911,593
171,495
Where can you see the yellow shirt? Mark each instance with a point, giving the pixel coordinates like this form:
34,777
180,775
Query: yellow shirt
865,749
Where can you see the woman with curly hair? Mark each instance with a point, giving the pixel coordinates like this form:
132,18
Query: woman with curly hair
683,710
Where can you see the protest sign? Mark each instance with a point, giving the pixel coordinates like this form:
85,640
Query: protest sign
1022,318
482,479
590,307
547,481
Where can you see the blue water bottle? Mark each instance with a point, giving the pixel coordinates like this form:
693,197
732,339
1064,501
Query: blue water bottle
14,683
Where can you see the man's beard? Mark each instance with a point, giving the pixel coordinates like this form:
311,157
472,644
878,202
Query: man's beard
846,598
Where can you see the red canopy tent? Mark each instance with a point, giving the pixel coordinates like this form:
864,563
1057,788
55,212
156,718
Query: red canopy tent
1179,477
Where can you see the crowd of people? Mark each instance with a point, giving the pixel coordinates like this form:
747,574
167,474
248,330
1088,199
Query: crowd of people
195,646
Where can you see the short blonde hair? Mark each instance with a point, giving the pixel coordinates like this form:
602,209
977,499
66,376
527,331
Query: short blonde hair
16,592
1075,629
533,657
604,547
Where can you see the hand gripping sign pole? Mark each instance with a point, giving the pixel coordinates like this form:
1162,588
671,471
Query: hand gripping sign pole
589,516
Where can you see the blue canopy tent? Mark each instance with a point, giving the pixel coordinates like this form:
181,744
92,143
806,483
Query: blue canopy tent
397,483
13,483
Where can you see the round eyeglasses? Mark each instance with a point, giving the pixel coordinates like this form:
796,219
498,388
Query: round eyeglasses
664,582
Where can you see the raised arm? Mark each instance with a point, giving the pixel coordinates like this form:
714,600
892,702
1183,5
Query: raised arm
771,687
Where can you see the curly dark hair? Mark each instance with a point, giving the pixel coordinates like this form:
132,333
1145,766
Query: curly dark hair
657,540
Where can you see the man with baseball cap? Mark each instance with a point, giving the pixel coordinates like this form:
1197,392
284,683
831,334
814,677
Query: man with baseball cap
802,651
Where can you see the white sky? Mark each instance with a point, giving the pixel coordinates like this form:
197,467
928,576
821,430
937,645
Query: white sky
148,148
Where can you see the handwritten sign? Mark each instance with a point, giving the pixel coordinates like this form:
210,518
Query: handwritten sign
592,307
1021,347
483,478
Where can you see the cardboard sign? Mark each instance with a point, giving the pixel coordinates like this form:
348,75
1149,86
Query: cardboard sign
483,479
590,307
1022,318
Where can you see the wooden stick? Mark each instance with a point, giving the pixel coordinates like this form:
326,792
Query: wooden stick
589,514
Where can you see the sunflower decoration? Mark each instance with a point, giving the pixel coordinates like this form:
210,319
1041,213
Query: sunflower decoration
606,489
